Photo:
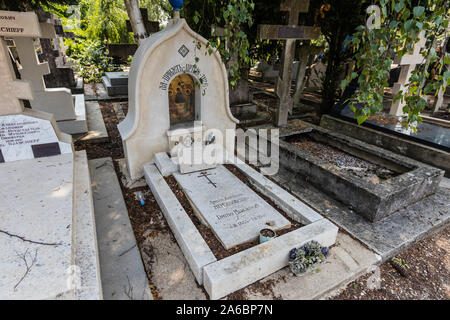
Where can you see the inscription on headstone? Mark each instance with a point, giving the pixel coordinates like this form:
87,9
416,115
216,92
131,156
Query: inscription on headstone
23,137
232,210
22,24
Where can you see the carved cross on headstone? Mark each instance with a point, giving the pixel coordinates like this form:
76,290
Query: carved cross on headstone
206,175
407,63
291,33
13,91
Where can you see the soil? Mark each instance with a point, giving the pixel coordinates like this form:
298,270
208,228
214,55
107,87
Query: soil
342,160
267,233
384,119
429,260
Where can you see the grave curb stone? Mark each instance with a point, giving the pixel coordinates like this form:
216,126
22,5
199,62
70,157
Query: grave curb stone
165,165
194,248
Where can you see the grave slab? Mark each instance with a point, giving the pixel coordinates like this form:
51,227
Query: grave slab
194,248
230,208
392,141
239,270
114,86
386,237
290,205
122,272
30,135
41,213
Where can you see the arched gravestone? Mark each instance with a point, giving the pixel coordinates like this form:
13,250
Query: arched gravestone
155,98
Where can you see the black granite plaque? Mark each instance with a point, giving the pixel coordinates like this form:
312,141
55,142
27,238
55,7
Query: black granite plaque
291,32
46,150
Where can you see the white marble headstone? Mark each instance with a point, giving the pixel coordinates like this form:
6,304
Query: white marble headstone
228,206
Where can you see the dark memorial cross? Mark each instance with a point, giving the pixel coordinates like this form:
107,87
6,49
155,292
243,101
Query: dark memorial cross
290,33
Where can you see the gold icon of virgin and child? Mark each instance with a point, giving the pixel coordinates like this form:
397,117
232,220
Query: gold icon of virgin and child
182,99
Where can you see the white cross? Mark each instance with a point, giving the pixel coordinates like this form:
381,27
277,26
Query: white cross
11,89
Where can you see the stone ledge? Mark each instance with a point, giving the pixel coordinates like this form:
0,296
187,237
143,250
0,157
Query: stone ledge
194,248
84,233
237,271
165,165
97,132
122,271
292,206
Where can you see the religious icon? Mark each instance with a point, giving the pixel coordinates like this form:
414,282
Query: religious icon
182,99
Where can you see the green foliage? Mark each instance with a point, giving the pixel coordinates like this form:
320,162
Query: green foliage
401,23
239,18
233,44
28,5
91,58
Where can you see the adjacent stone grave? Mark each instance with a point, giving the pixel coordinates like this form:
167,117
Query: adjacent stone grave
69,110
290,33
48,241
116,83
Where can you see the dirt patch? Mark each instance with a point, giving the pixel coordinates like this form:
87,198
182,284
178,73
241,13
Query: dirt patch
383,119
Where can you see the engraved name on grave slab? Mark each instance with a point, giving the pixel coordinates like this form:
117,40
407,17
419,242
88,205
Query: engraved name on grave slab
229,207
25,137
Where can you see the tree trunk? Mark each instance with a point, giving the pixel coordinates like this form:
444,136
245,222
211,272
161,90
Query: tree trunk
137,24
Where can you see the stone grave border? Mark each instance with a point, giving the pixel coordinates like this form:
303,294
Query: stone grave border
414,150
373,201
235,272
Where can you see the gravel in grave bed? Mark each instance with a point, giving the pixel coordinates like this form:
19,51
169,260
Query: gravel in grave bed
208,235
342,160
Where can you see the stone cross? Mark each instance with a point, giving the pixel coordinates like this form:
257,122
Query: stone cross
290,33
13,91
408,63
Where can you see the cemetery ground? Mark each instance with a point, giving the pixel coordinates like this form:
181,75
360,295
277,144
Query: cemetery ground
428,261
